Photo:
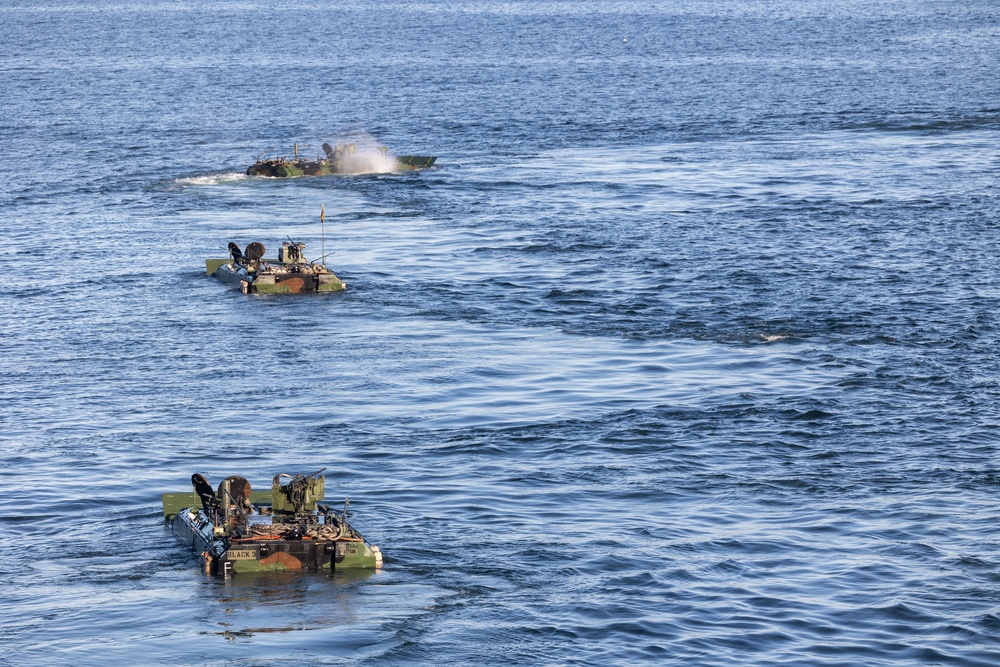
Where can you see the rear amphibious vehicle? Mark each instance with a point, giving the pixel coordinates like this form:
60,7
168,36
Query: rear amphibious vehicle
238,530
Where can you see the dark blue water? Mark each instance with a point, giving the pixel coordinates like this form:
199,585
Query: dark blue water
686,354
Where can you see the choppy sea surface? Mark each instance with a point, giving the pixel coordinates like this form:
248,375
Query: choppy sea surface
686,353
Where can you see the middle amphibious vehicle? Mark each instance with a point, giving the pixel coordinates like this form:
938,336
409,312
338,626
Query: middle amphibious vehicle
289,274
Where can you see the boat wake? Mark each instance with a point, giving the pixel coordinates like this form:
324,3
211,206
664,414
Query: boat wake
212,179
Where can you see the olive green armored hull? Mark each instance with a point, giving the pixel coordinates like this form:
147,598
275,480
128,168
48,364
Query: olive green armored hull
280,168
274,278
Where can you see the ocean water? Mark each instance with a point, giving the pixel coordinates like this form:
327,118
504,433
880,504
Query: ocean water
684,354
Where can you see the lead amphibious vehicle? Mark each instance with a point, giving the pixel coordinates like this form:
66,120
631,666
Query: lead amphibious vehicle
342,159
238,530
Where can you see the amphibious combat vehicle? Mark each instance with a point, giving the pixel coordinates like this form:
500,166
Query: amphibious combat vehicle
237,530
291,273
342,159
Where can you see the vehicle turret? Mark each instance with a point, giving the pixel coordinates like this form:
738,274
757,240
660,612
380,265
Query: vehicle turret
291,253
296,494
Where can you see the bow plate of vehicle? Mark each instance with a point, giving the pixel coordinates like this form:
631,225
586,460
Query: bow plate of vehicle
291,273
341,159
238,530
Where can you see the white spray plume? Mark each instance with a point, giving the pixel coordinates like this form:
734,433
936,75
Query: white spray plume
366,156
